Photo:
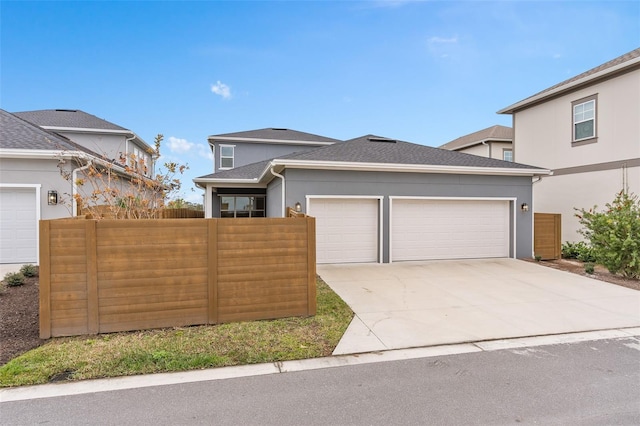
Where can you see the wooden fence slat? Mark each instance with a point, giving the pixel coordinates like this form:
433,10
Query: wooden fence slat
212,290
44,281
311,265
93,313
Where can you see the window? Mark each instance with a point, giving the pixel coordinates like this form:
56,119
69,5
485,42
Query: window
226,156
584,119
139,161
507,155
242,206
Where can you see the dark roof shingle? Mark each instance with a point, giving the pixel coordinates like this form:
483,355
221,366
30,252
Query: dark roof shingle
276,134
496,132
67,118
16,133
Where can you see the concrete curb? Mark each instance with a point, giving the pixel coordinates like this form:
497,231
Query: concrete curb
161,379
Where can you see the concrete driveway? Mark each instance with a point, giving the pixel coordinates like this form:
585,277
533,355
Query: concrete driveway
413,304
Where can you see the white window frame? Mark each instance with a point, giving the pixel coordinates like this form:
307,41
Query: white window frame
581,102
510,151
233,154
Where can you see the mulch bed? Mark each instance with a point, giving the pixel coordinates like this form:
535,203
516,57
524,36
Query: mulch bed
19,327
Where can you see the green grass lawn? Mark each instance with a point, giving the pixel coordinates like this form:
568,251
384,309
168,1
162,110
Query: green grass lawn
181,349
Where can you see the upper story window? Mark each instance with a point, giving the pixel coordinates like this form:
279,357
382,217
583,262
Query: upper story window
507,155
584,119
226,156
140,161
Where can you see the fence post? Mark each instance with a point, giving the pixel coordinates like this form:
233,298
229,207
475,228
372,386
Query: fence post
212,271
311,265
93,308
44,280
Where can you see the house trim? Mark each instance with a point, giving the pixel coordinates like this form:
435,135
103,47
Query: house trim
213,140
512,225
406,168
380,199
483,141
37,188
598,167
544,96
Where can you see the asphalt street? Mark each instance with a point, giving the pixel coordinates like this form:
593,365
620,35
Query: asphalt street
587,383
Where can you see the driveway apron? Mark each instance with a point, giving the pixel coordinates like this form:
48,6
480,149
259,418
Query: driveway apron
413,304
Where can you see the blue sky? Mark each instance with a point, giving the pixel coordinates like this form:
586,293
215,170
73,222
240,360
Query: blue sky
425,72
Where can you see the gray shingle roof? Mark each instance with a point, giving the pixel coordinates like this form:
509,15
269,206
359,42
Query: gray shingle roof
376,150
16,133
276,134
610,64
67,118
496,132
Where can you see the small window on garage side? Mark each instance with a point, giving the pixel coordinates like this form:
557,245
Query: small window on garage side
507,155
226,156
242,206
584,120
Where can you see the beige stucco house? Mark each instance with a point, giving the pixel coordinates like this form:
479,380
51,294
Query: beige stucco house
492,142
587,131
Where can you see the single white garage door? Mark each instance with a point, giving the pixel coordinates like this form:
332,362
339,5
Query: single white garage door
346,229
18,225
449,229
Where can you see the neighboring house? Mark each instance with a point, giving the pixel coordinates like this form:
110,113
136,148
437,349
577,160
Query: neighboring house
492,142
31,184
381,200
109,140
587,131
238,149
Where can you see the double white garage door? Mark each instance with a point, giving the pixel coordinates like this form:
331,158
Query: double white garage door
349,230
18,225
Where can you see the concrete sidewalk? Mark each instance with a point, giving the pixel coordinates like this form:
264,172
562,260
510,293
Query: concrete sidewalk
413,304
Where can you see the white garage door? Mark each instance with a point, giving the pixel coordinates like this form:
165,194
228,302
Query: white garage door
346,229
18,225
449,229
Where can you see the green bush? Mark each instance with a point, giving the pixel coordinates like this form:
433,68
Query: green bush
14,279
589,267
579,250
614,234
29,270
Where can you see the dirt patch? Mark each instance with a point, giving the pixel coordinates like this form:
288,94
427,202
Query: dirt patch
19,328
600,273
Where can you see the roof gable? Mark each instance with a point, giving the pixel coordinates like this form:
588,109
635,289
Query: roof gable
608,69
274,134
376,152
68,118
18,134
493,133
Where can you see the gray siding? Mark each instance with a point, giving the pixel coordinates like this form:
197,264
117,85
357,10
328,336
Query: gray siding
43,172
274,198
247,153
300,183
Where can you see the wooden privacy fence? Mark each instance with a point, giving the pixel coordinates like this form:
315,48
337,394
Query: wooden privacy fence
120,275
547,235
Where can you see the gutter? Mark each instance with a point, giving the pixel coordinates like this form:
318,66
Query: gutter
74,186
283,188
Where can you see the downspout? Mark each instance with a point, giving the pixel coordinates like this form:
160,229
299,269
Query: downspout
126,146
283,188
74,186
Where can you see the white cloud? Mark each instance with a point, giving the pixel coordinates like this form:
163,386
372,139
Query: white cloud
442,40
205,151
180,146
221,89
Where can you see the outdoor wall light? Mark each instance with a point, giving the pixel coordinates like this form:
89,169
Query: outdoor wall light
524,207
52,198
298,207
